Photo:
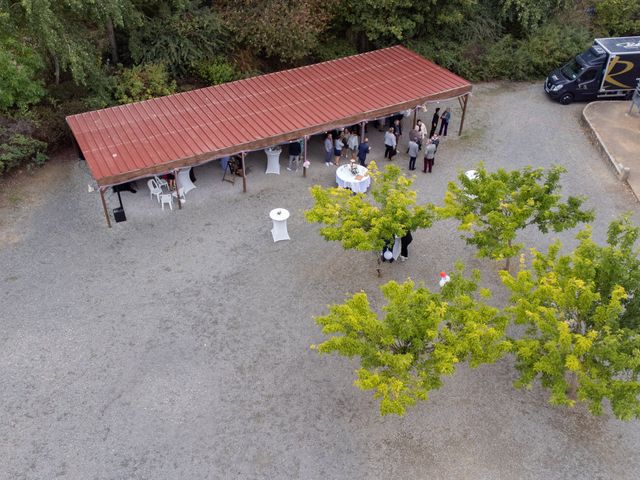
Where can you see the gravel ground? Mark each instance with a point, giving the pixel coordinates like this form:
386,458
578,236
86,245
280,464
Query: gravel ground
176,344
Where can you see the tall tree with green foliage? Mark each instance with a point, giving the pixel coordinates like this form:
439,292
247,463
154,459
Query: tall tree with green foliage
524,16
618,17
494,207
383,23
366,222
582,338
180,34
285,30
420,337
69,34
20,80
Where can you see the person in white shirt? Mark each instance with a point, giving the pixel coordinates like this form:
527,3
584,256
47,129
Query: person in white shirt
328,149
389,144
422,129
352,143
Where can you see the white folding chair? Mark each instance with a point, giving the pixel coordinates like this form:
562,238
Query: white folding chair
161,182
168,199
154,189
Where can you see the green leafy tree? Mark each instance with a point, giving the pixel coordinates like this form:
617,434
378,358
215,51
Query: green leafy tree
527,15
493,207
618,17
20,82
386,22
367,222
580,311
285,30
143,82
420,337
180,34
69,33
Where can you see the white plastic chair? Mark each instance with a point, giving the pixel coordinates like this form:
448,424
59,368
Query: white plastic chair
166,198
161,182
154,189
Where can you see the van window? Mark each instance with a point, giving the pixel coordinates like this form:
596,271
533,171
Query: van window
571,70
588,75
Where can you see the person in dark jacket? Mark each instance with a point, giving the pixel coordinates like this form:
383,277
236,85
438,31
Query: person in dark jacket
363,149
397,131
434,122
295,149
444,123
404,246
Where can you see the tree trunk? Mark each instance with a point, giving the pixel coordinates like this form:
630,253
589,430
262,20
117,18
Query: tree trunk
572,392
508,264
112,41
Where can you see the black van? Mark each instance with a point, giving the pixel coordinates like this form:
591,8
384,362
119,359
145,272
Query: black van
609,69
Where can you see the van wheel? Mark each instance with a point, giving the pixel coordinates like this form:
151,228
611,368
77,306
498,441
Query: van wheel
566,99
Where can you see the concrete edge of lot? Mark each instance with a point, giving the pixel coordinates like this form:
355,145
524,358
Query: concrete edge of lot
616,131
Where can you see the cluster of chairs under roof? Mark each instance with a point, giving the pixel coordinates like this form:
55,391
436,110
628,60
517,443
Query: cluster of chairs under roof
156,185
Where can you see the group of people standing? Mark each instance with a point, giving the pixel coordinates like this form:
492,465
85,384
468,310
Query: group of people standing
418,139
345,143
444,122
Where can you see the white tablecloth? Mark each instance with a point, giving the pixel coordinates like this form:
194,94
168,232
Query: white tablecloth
345,179
279,230
184,180
273,160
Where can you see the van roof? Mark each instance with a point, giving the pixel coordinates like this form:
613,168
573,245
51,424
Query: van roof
620,45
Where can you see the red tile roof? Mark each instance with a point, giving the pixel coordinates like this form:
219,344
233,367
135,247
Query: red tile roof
135,140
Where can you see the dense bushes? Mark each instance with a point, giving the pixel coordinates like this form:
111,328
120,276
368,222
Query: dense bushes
508,57
143,82
618,18
17,146
535,56
217,71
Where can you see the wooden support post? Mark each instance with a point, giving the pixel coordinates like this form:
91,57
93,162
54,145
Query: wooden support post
464,111
175,174
362,127
304,157
104,206
415,117
244,174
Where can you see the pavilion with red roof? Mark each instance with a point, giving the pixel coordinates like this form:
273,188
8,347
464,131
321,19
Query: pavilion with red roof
141,139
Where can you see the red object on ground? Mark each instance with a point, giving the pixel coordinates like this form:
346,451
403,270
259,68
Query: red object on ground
140,139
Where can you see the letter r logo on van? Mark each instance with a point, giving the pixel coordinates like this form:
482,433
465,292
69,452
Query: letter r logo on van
625,66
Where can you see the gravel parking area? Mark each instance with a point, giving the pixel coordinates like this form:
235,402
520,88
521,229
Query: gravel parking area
176,345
